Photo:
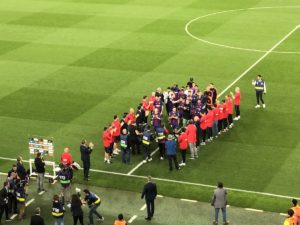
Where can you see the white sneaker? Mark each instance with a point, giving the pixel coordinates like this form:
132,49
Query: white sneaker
264,105
161,158
108,162
192,158
236,118
231,125
219,133
202,143
116,152
150,159
257,106
182,164
239,117
100,219
209,140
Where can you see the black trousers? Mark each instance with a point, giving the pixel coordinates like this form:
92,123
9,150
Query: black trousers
183,155
135,147
86,168
259,96
210,132
76,218
237,110
230,120
203,133
4,208
146,151
174,158
225,123
150,208
12,203
220,125
162,149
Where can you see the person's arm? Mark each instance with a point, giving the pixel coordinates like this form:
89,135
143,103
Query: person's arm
265,88
253,82
155,190
213,199
143,193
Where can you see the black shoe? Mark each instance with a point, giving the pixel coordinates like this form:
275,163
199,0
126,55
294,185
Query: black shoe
148,218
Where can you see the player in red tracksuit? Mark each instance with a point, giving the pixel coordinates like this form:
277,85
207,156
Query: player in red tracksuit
229,109
191,132
151,101
220,117
146,107
237,102
130,118
116,134
107,143
225,116
203,126
183,145
210,123
215,119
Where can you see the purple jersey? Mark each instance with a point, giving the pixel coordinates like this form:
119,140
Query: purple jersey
156,119
158,105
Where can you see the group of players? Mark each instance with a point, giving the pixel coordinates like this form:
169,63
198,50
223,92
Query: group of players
193,117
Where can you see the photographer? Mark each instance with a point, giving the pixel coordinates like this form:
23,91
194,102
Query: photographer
40,170
93,202
86,150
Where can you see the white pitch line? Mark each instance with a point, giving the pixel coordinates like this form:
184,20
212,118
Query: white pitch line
254,210
283,214
13,216
11,159
41,193
132,219
192,183
259,60
188,200
234,47
159,196
29,202
143,207
141,163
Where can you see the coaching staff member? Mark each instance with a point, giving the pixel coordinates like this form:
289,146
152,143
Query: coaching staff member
150,193
86,150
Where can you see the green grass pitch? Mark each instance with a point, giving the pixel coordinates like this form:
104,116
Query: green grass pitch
67,66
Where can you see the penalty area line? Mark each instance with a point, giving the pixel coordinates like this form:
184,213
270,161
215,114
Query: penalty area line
132,219
259,60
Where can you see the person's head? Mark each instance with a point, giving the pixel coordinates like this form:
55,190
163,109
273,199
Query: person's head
124,131
191,122
149,178
191,79
55,198
290,213
259,77
183,129
174,109
14,167
116,117
294,202
84,142
153,93
120,217
145,97
237,89
38,155
170,137
66,150
220,185
37,211
19,159
131,110
86,192
75,199
223,100
196,118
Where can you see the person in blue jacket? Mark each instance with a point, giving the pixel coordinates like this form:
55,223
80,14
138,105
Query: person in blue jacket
171,152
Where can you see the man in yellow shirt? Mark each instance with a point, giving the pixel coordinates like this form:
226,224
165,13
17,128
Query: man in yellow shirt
120,220
291,219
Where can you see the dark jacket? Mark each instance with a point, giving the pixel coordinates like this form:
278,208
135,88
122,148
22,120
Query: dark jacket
39,165
149,191
37,220
3,196
76,208
85,153
21,171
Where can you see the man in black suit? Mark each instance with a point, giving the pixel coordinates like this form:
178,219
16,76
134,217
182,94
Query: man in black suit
150,193
4,201
85,150
37,219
